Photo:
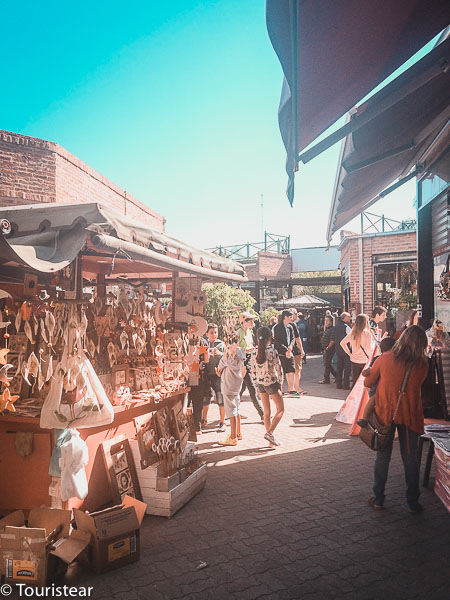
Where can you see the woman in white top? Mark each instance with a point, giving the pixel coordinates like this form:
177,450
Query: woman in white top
359,344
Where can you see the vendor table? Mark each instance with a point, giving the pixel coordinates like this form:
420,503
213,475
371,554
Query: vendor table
24,482
438,437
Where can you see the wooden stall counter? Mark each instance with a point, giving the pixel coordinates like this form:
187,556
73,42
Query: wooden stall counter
24,480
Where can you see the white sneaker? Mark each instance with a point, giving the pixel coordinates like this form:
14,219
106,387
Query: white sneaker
270,438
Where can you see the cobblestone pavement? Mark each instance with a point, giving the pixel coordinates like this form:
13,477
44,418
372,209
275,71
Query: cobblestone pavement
290,523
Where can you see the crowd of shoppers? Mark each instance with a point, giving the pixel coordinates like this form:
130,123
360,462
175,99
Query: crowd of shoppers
260,363
232,368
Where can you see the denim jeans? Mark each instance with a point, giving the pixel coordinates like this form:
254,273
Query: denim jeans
408,441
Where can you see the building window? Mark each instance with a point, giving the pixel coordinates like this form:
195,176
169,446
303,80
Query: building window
441,299
395,285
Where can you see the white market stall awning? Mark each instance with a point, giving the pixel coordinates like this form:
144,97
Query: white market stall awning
306,301
48,237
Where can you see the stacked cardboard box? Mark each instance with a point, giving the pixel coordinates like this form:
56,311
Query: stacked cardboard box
36,553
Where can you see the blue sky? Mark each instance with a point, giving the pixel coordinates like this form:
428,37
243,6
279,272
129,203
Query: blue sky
176,103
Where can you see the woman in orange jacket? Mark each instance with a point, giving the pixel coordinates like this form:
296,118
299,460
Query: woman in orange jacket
389,370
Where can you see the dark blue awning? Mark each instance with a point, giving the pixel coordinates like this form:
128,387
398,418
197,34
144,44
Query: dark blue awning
334,53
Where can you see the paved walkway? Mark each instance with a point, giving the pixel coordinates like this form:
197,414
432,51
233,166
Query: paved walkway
290,523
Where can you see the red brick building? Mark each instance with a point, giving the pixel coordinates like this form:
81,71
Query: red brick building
379,268
270,265
34,170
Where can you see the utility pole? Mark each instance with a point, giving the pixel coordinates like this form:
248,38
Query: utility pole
262,215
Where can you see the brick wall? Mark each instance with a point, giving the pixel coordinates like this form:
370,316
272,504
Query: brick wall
391,243
34,170
271,265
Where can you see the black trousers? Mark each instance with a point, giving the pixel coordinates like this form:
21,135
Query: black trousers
343,369
356,371
248,383
195,397
327,366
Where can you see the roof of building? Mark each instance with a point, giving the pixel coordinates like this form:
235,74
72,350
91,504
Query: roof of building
318,258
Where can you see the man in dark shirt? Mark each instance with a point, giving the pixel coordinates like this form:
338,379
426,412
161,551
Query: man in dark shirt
284,341
327,343
343,366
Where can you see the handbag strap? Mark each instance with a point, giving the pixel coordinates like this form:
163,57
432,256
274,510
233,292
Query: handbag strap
402,389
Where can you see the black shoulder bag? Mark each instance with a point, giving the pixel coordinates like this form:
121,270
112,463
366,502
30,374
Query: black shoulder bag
374,434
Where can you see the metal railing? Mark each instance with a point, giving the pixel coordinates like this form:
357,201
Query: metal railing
249,251
371,223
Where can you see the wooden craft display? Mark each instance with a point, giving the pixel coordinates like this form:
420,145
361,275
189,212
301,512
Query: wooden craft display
121,470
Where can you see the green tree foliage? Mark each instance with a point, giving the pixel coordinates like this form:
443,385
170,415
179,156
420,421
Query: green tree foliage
221,298
300,290
267,313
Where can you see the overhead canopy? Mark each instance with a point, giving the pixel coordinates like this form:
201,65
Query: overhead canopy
306,301
48,237
391,132
334,53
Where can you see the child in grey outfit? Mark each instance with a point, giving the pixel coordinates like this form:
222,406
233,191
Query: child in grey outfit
232,370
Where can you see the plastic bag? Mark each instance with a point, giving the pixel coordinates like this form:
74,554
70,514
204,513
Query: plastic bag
74,457
89,405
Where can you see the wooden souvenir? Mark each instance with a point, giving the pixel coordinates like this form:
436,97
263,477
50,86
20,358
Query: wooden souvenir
121,470
146,437
15,387
143,379
120,375
101,325
187,292
105,380
17,343
164,426
181,424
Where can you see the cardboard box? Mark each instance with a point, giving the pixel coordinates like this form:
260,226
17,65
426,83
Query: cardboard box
114,534
37,553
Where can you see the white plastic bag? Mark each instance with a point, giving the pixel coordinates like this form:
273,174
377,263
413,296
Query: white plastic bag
74,457
92,408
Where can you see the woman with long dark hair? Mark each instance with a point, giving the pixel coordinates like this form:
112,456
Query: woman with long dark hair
407,359
268,377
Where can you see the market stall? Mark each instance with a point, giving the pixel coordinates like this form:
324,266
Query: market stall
100,319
